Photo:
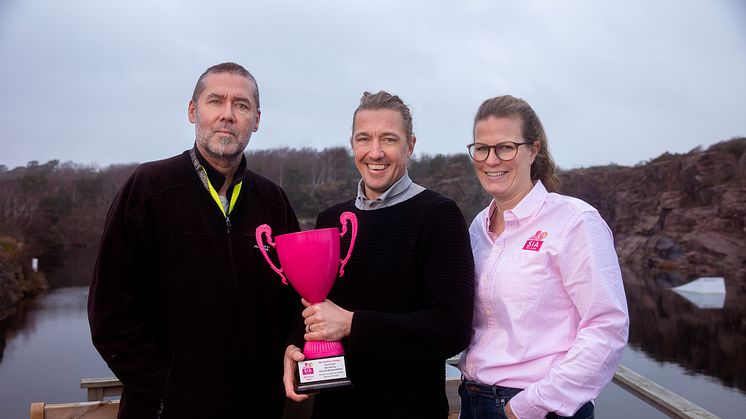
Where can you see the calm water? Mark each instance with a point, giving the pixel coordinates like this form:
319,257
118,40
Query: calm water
697,353
47,352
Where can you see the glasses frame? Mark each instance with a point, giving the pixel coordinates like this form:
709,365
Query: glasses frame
493,148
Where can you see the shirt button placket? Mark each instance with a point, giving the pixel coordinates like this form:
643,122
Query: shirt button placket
497,250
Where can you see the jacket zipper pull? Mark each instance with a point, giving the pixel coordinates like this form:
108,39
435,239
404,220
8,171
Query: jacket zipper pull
228,224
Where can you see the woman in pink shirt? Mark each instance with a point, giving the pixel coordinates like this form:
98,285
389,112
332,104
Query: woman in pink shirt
550,315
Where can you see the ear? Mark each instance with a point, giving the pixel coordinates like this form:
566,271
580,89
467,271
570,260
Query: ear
192,112
410,146
536,148
256,122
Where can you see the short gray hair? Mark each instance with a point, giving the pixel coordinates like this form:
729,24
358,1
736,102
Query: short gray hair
231,68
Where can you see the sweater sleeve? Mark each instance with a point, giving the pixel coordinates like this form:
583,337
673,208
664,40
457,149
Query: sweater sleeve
443,326
121,301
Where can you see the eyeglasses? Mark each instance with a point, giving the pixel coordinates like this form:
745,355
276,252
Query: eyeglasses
504,151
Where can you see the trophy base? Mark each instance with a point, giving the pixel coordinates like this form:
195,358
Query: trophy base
326,373
324,385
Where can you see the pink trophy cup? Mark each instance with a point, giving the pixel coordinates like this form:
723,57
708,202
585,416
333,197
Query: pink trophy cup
309,259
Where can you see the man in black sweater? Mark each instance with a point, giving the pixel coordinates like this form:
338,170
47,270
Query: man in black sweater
405,303
182,307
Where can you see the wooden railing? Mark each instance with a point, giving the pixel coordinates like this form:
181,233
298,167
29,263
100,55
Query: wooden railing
661,398
100,388
90,410
664,400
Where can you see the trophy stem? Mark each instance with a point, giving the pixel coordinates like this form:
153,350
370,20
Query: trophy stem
322,349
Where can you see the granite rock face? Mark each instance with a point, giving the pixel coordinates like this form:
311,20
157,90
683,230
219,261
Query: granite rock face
677,217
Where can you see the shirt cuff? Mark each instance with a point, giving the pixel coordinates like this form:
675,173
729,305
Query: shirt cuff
523,409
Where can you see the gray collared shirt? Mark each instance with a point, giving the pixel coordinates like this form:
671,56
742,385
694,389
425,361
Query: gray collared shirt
399,192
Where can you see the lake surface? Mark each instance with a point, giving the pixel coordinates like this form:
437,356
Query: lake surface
697,353
47,351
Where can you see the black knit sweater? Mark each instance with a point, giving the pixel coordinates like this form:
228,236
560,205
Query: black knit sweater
184,310
409,283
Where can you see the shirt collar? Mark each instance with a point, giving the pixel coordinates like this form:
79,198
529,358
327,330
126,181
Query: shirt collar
531,203
399,187
527,208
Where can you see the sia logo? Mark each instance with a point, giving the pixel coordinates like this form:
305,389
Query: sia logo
307,368
534,242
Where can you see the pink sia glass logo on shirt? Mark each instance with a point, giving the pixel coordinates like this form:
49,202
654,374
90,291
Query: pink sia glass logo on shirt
534,242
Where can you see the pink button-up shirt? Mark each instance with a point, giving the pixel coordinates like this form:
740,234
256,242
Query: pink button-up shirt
550,314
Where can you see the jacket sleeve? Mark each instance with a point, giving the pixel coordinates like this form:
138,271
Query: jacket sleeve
122,301
443,327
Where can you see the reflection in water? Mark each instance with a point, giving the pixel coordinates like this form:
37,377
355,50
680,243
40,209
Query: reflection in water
668,328
707,292
75,270
705,301
614,402
48,350
12,325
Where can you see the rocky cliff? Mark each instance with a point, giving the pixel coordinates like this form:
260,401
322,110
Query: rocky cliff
677,217
674,218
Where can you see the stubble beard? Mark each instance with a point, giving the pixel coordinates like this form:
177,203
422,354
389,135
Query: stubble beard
225,148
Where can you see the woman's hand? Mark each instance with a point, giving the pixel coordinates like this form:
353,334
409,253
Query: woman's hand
509,412
326,321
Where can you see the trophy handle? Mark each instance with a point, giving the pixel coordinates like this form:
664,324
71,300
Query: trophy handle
265,229
347,216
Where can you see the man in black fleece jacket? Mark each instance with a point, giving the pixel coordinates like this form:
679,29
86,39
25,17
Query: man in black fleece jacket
405,303
182,307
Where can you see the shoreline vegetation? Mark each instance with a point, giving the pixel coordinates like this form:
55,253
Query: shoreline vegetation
675,217
17,279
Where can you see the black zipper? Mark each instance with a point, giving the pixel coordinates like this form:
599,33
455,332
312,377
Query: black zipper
228,226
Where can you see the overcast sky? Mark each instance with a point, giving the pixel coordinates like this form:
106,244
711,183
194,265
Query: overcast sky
613,81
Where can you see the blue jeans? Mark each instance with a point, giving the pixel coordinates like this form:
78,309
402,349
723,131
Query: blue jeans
479,401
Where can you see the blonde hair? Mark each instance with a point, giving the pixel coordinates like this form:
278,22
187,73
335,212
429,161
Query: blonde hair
385,100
